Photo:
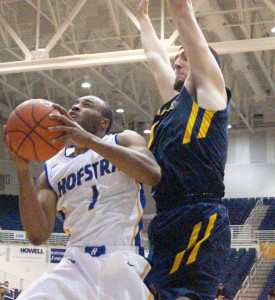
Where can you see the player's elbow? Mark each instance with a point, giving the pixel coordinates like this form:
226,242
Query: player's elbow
154,177
36,241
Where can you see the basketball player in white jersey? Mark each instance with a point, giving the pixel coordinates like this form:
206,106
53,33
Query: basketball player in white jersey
95,182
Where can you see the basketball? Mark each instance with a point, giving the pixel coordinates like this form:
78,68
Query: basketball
27,128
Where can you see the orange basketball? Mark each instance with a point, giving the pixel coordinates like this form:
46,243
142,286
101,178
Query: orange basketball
27,128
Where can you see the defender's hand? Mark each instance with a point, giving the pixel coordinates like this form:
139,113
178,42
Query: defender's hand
142,9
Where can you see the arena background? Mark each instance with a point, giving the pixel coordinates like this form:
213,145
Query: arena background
50,48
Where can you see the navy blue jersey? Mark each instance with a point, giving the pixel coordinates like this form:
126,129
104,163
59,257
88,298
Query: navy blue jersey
190,145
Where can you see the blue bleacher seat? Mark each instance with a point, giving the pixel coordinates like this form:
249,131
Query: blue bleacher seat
10,216
237,268
239,209
268,223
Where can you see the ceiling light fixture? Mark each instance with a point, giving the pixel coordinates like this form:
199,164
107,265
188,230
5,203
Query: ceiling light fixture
86,85
147,131
120,110
229,126
273,29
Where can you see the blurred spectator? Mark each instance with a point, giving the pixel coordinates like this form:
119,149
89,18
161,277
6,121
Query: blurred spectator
222,291
8,294
271,295
2,289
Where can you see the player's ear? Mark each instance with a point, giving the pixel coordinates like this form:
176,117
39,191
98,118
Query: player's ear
104,123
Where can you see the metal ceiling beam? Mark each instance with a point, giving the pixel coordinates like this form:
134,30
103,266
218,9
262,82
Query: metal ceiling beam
125,96
114,17
16,38
129,56
127,11
63,28
38,15
172,39
261,63
270,5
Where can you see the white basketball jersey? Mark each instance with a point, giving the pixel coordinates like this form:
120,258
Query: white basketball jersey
101,205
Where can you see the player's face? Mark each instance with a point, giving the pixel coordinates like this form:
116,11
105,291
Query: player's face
87,113
182,69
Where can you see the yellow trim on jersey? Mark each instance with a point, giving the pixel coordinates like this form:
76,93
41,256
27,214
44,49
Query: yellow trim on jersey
139,214
190,124
172,105
144,272
207,117
192,241
152,135
209,228
151,297
64,209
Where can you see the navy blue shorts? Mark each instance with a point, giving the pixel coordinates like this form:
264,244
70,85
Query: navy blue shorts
188,248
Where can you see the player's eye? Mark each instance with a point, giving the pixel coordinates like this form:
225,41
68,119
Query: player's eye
87,105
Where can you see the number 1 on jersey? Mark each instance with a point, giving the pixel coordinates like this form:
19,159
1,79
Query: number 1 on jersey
95,196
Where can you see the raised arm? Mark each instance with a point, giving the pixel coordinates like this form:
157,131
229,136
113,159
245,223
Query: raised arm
205,81
138,161
37,205
156,55
130,156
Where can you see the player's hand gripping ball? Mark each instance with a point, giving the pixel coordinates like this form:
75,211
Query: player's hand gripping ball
27,128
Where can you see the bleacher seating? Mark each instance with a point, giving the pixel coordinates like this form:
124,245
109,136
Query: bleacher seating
270,283
268,223
237,268
239,209
10,217
269,200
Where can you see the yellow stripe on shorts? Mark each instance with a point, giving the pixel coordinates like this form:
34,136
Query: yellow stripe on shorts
192,242
209,228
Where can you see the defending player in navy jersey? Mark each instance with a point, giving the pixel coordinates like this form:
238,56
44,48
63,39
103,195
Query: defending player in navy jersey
190,234
95,182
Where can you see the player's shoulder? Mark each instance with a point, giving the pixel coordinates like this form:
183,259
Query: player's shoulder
128,133
128,137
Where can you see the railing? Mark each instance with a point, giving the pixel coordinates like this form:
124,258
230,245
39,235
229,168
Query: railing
252,274
242,235
10,236
15,282
12,293
265,235
253,214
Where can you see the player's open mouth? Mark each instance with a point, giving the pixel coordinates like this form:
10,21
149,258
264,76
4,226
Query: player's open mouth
72,115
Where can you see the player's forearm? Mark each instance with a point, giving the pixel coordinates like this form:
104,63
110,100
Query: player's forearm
193,40
31,212
153,48
140,166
